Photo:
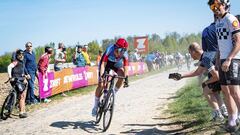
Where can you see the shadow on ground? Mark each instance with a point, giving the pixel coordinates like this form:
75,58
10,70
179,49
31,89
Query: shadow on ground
88,126
166,128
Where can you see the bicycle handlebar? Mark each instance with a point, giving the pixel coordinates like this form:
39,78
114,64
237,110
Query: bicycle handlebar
7,80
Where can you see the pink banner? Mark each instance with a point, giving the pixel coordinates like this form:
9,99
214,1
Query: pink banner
80,74
45,89
74,78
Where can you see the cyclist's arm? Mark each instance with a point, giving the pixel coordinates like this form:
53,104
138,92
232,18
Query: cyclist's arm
200,70
10,67
125,65
235,29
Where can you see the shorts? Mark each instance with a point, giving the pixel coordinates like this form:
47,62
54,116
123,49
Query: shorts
109,66
215,86
232,77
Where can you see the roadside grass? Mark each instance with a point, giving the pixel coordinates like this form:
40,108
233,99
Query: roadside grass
191,110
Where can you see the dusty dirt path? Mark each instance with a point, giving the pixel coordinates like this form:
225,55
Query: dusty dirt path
137,111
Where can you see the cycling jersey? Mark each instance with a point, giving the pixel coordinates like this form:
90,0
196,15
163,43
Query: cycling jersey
226,27
109,56
206,61
209,39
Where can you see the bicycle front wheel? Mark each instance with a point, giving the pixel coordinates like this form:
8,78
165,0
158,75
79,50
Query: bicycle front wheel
99,113
108,110
8,105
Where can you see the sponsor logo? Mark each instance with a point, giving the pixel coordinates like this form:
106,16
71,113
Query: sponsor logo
235,24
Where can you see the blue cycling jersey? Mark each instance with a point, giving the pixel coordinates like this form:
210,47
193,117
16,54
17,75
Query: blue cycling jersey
209,39
110,56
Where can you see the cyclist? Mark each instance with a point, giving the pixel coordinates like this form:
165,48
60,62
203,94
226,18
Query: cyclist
16,70
211,87
228,35
188,60
114,58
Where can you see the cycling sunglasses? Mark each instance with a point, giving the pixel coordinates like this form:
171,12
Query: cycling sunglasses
214,6
121,50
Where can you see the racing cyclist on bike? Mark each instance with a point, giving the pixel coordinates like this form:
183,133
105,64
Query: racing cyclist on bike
114,58
16,70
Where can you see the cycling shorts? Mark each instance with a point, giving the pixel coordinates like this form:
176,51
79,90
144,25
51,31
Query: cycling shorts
232,77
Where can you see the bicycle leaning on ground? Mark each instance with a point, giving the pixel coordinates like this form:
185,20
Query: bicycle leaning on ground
106,105
11,100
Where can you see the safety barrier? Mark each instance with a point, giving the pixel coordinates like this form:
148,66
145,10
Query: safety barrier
73,78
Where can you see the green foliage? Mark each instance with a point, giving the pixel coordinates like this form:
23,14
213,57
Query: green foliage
5,60
171,43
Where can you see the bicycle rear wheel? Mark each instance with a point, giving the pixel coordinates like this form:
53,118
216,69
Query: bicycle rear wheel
108,110
8,105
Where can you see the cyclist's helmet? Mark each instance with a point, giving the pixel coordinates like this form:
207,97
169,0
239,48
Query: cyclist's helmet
122,43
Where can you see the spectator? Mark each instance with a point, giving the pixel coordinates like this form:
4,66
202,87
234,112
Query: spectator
99,57
43,65
31,69
80,58
16,70
136,56
59,59
86,56
150,58
228,35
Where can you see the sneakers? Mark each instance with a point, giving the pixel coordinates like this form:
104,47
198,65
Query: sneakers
23,115
94,111
47,100
231,129
217,116
223,110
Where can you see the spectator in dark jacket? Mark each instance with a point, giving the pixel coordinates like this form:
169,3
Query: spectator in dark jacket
31,69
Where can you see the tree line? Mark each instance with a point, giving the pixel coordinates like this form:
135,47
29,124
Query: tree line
171,43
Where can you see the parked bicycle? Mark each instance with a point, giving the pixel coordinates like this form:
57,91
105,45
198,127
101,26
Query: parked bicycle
106,105
11,100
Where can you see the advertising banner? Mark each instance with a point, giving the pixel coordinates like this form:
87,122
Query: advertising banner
73,78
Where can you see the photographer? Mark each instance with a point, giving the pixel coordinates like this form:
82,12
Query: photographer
80,59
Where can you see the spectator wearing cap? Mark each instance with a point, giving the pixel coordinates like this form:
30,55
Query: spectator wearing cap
59,58
79,58
31,69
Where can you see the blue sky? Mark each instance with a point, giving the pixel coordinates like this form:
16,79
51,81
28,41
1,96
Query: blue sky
70,21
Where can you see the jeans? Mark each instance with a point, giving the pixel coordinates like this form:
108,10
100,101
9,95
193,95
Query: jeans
30,90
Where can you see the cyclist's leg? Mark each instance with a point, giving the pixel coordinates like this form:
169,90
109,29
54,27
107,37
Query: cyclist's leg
119,83
22,97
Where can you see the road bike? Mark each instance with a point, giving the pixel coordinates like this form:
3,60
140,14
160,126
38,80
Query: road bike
106,105
11,100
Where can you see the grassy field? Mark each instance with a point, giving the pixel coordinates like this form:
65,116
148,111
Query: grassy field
191,111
